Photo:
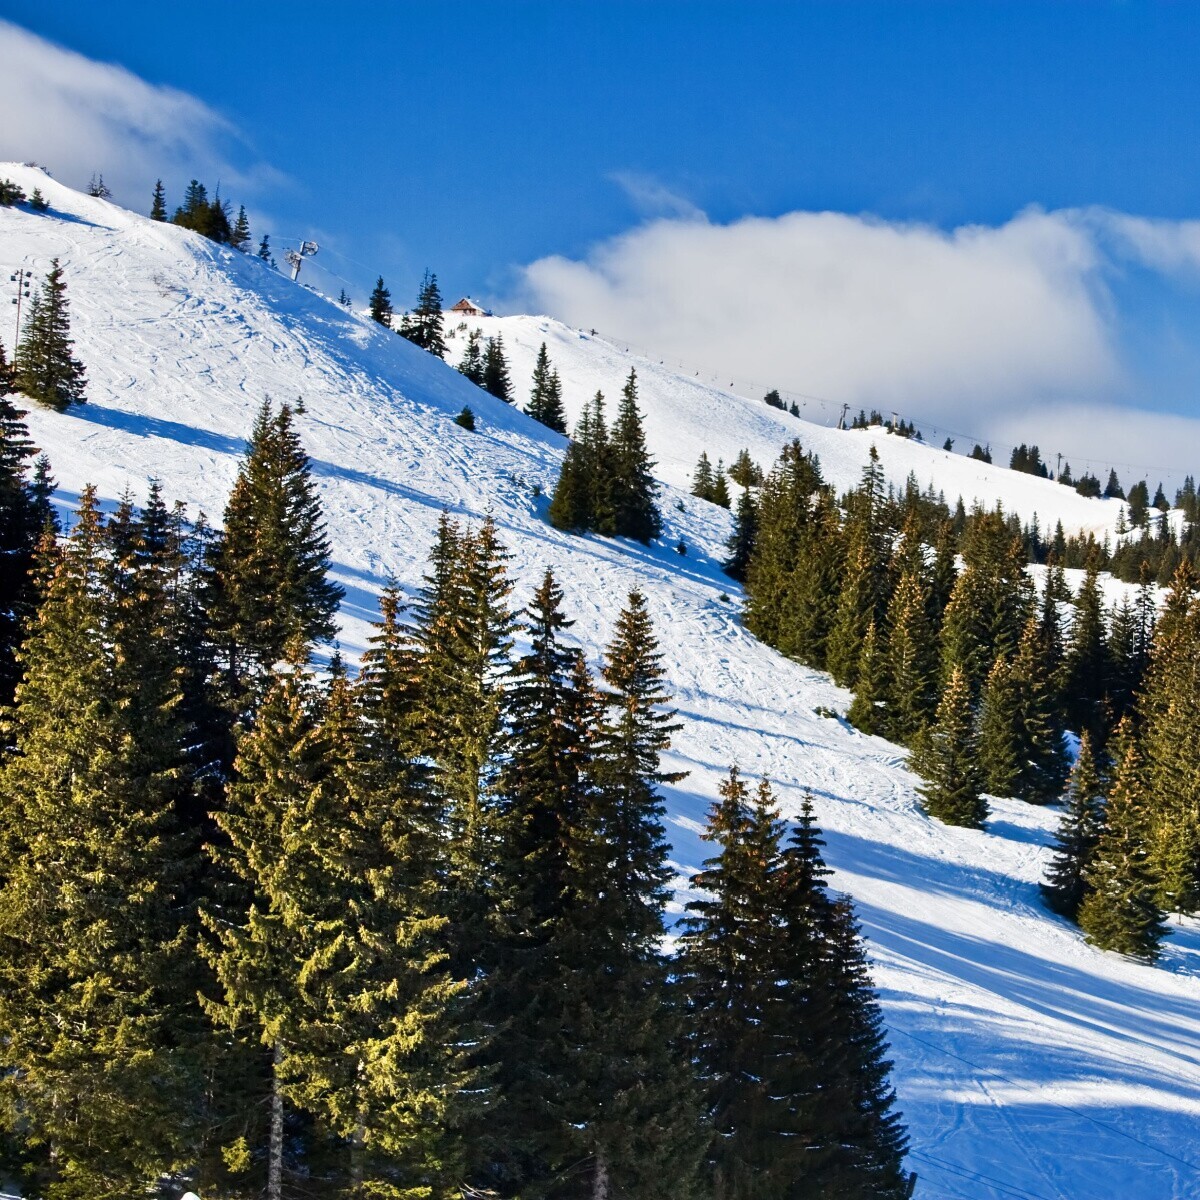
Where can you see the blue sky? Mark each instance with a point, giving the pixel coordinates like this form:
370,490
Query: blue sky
479,138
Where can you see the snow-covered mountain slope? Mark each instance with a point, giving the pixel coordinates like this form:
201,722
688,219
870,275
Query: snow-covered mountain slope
688,415
1027,1064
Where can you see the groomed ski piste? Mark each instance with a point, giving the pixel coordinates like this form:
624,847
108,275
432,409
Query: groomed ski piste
1027,1064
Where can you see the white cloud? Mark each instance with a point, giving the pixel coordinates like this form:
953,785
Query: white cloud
76,116
958,327
652,198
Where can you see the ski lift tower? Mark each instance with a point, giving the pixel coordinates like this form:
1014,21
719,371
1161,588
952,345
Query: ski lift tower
295,258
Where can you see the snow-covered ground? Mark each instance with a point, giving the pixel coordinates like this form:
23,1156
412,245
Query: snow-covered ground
1027,1064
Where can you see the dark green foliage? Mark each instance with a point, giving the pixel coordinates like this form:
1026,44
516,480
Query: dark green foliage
1029,460
720,489
496,379
380,302
745,471
466,418
37,201
1119,911
424,326
741,542
946,757
703,479
239,236
270,564
545,396
982,453
158,205
1113,489
787,1031
99,1065
1087,668
867,709
344,299
471,364
264,250
999,732
45,369
209,218
911,669
632,488
1078,832
991,601
10,193
774,399
98,188
23,516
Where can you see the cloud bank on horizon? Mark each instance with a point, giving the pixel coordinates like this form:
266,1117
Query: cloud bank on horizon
80,117
1013,332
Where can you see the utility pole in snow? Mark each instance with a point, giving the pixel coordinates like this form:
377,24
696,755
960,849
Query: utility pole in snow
842,419
21,279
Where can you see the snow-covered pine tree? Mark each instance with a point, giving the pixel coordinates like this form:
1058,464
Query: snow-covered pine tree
424,326
45,369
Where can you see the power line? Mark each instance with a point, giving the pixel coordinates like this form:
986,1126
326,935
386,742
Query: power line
973,1176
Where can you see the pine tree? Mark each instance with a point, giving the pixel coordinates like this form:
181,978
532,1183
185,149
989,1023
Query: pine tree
102,1056
1078,832
424,326
999,732
239,237
496,380
702,478
1087,668
947,759
990,603
727,948
22,519
1042,765
867,710
545,397
911,654
98,188
720,489
380,302
264,250
1119,910
38,203
471,364
158,205
344,299
741,542
271,562
632,486
45,370
583,495
548,990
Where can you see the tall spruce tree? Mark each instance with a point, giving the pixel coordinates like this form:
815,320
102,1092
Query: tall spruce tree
496,380
632,488
380,302
239,237
867,711
471,363
102,1058
741,541
23,516
702,478
158,205
1087,668
424,326
1078,833
545,395
911,649
1119,911
947,758
45,369
270,564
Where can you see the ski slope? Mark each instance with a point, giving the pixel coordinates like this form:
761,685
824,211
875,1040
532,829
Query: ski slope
1027,1064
